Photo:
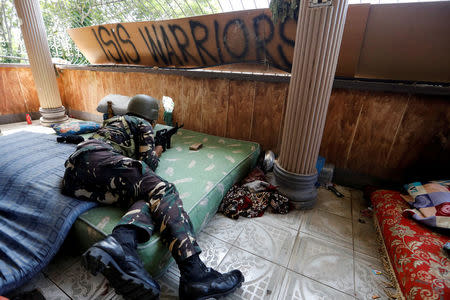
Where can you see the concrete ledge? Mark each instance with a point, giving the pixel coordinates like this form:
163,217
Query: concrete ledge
363,84
81,115
194,73
14,118
394,86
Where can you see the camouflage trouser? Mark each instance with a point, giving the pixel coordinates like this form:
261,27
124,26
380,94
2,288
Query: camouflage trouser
96,173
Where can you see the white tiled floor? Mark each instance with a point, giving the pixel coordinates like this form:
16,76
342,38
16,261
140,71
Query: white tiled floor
323,261
6,129
324,253
302,255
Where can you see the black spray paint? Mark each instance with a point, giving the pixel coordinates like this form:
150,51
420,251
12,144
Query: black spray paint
164,52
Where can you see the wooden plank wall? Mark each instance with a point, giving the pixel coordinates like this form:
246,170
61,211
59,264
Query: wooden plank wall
237,109
17,91
387,135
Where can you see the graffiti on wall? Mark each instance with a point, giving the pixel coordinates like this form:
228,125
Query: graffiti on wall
246,36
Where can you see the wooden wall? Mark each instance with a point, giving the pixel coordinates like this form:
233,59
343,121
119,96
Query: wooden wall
17,91
238,109
387,135
375,133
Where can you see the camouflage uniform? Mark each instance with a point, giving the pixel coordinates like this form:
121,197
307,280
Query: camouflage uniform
116,166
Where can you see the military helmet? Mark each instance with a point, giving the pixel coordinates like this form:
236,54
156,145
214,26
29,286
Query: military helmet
144,106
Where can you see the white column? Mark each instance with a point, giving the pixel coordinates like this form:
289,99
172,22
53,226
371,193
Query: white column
318,39
33,31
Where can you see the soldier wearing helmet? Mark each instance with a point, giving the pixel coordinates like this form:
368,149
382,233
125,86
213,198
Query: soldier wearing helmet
116,166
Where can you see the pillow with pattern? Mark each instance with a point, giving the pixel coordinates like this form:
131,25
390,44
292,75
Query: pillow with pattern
75,127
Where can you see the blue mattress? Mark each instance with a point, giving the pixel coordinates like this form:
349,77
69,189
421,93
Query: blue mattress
35,217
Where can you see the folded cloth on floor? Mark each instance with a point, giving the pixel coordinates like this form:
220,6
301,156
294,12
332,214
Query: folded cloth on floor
430,203
256,186
252,197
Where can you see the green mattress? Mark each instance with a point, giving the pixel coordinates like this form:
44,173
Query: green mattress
202,178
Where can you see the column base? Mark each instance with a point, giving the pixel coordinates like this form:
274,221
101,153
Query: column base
300,189
52,116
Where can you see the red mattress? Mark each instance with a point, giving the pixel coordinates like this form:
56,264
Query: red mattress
421,267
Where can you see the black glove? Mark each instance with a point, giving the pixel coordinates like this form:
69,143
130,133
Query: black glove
70,139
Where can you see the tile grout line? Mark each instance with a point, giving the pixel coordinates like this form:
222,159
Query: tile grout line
281,285
354,222
353,240
353,269
61,289
228,251
259,256
243,228
347,245
270,260
238,247
331,212
322,283
323,210
285,269
281,223
292,250
231,243
325,240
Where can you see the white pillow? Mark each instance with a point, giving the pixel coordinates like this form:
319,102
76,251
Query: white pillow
119,104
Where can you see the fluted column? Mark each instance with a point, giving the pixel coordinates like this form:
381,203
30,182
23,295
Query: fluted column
33,31
318,39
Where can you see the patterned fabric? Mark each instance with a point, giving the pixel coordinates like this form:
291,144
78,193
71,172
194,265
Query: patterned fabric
254,175
430,202
75,127
252,197
241,202
420,266
202,179
130,136
95,172
35,217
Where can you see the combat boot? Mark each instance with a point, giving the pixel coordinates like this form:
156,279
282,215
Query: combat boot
200,282
122,267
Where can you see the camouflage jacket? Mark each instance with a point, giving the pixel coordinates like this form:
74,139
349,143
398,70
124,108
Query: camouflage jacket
130,136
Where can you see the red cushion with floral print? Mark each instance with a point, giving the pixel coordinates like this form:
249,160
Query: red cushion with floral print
420,265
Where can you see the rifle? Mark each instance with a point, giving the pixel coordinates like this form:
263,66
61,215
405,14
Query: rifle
164,136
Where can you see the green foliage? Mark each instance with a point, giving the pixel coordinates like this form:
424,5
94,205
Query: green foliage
9,26
284,9
60,15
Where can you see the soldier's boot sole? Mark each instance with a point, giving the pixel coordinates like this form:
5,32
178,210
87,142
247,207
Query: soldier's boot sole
96,261
215,296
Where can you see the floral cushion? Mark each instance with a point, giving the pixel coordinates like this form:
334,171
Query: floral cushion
421,267
75,127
